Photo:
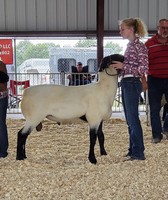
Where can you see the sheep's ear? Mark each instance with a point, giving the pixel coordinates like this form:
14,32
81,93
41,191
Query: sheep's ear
101,67
100,70
104,63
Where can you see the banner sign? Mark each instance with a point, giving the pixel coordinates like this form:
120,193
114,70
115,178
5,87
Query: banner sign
6,51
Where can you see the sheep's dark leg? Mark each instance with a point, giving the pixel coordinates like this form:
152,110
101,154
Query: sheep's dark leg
101,139
21,145
93,137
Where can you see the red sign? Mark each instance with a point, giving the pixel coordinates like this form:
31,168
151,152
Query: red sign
6,51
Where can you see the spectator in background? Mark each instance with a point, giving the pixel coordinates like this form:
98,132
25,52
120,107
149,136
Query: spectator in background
3,110
79,75
158,76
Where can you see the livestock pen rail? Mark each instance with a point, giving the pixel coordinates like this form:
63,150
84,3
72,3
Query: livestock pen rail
51,78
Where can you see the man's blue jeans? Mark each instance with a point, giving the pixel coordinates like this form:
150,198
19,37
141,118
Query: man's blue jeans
165,123
131,90
82,82
165,119
3,127
156,88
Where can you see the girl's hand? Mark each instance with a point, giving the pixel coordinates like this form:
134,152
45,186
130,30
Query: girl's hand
144,83
118,65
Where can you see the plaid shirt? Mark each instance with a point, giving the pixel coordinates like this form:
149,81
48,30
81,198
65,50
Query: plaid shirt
136,59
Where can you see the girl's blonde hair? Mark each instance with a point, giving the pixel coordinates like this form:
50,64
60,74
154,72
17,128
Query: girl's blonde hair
137,24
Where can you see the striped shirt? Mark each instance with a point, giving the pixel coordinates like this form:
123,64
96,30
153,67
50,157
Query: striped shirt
158,57
135,59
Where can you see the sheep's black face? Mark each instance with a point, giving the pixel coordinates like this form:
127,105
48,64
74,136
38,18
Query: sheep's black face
108,60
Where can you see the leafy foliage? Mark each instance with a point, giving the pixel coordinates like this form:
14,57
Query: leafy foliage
26,50
86,43
115,48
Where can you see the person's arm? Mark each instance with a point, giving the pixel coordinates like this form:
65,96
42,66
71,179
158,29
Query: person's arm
69,77
89,77
144,83
4,78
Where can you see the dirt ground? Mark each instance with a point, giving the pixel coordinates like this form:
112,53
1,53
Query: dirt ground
57,166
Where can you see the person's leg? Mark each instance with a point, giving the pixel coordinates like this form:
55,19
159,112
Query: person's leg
131,88
3,127
125,112
86,82
123,90
155,94
77,82
165,126
165,112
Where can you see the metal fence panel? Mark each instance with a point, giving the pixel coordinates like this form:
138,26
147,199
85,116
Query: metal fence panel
56,78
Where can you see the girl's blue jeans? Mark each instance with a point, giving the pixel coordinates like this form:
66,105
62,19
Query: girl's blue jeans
3,127
131,89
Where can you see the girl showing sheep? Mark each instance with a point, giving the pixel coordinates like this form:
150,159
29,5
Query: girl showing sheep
133,71
92,103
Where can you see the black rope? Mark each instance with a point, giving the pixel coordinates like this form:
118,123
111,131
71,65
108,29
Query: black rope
110,74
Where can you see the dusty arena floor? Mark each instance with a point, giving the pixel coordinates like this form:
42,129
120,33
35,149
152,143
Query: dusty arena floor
57,167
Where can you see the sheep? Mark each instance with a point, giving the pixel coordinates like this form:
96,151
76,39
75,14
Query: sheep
91,103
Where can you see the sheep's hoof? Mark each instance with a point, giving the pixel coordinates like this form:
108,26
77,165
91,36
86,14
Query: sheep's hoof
103,153
93,160
20,158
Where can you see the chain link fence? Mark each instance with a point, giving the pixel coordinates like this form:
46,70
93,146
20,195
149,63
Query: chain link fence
49,63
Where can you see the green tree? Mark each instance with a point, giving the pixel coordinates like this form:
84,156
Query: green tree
86,43
26,50
20,51
40,50
115,48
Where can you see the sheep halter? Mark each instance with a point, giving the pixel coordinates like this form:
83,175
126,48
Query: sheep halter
110,74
